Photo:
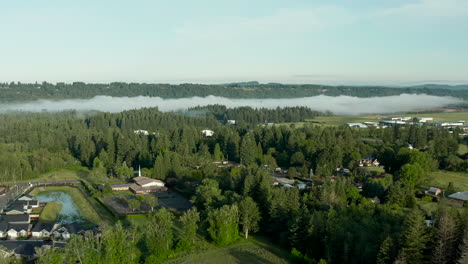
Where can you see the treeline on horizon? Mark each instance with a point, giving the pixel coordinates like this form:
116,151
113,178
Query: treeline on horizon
16,91
249,115
330,222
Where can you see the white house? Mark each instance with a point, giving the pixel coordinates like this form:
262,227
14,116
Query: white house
42,230
231,122
425,119
207,133
141,132
359,125
18,230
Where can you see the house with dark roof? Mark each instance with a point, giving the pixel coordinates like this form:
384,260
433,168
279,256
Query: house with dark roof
26,198
15,209
17,219
65,231
42,230
3,229
18,230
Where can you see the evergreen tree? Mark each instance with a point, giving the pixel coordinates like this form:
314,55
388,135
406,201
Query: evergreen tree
248,149
416,238
386,255
446,235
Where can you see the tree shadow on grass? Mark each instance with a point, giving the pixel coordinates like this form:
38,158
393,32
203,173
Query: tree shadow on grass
248,257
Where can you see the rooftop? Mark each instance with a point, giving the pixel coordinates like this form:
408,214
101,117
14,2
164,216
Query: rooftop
18,227
463,196
16,218
42,226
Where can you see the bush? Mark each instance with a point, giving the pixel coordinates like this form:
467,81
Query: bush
426,198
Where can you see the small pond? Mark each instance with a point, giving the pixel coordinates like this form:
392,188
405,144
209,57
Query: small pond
69,212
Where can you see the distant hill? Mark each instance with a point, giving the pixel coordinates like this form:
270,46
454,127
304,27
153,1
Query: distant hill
441,86
242,84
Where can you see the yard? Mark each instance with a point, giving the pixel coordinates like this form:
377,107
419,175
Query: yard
50,212
86,210
441,179
254,250
170,200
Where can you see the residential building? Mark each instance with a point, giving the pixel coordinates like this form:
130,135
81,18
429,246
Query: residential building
433,191
18,230
17,219
461,196
207,133
42,230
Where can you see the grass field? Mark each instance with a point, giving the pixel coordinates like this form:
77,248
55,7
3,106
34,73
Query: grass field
87,211
442,178
252,251
64,174
462,149
50,212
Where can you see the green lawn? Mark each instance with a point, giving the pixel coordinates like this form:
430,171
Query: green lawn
253,250
442,178
462,149
50,212
376,169
64,174
87,211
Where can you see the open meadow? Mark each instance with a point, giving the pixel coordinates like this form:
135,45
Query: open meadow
341,120
254,251
441,179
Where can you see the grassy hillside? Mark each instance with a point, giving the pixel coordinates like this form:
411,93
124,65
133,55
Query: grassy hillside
442,178
252,251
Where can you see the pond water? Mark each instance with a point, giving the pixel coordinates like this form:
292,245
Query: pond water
69,212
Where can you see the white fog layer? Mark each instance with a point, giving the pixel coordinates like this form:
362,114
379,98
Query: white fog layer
340,105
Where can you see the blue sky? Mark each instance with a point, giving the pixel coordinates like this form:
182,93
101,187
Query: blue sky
215,41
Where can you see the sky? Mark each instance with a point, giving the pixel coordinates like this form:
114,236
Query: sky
388,42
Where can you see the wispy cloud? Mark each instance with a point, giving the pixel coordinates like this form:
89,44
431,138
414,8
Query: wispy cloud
430,8
283,21
343,105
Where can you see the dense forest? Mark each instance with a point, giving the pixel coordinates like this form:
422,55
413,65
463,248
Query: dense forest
248,115
16,91
332,221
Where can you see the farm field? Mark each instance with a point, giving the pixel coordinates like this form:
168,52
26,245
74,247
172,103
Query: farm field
442,178
254,251
87,211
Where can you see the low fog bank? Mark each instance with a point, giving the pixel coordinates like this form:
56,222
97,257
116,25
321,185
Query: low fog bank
340,105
